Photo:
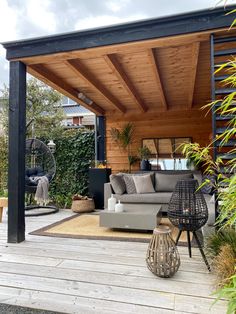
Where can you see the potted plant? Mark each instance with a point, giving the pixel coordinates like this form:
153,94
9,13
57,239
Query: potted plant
144,154
125,138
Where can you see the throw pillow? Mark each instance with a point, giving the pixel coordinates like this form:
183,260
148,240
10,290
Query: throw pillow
143,184
117,183
167,182
129,183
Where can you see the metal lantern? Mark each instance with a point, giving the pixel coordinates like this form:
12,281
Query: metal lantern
188,211
162,255
52,146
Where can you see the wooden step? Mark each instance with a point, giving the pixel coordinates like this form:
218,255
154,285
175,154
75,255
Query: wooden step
224,91
222,129
225,117
221,77
230,143
226,156
224,40
226,52
218,104
219,64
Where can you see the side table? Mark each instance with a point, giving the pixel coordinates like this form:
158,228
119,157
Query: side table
3,203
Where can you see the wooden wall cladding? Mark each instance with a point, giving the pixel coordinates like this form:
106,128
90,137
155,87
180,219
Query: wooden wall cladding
187,123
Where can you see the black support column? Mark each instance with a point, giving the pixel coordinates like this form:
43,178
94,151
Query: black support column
16,170
101,138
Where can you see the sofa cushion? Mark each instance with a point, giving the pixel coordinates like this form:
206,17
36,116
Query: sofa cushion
117,183
129,181
167,182
129,184
147,198
143,184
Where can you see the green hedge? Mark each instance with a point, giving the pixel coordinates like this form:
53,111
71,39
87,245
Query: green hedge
74,152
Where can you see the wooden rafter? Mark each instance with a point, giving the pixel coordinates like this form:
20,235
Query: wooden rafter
156,72
77,66
193,72
117,69
41,72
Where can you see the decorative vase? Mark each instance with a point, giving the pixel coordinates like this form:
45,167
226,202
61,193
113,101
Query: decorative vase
111,203
162,255
119,207
145,165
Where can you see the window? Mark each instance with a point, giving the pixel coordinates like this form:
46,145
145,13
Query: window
166,153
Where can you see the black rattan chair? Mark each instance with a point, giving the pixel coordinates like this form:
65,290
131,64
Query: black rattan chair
188,212
39,161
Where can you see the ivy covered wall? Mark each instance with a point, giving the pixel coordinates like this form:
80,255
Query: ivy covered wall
74,152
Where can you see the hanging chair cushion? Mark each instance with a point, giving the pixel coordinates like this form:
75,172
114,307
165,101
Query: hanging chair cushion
30,173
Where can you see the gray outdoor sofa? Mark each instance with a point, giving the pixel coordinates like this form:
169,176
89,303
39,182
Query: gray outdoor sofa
164,183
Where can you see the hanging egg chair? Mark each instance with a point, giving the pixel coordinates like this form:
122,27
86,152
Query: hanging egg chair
39,162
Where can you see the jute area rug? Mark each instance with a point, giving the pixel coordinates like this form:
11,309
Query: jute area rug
86,226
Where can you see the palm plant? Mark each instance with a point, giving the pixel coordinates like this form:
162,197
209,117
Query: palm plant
125,138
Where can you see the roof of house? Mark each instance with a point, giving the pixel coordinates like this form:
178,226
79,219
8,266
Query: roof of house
76,110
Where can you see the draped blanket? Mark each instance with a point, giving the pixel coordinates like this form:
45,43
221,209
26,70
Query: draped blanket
41,195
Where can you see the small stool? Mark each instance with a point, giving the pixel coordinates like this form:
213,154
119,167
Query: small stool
3,203
162,255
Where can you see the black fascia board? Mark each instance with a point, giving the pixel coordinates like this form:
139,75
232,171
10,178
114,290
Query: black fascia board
197,21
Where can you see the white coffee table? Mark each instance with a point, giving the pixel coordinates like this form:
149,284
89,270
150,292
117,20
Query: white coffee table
146,219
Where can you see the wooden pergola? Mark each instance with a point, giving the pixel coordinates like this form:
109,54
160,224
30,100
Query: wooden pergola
155,73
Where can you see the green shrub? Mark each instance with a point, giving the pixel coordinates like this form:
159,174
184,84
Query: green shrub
219,239
74,152
229,292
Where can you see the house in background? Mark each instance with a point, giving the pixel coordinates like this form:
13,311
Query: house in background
77,116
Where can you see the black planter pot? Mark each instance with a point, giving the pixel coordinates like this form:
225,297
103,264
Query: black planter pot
145,165
97,178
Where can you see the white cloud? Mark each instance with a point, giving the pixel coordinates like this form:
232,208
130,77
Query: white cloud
104,20
8,18
116,6
39,15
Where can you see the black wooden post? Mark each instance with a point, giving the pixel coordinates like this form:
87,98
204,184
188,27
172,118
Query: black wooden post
16,169
101,138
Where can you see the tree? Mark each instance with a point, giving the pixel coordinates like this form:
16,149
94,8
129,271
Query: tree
43,110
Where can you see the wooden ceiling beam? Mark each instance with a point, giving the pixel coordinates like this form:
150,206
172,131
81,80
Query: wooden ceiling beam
117,69
78,68
193,72
42,73
156,72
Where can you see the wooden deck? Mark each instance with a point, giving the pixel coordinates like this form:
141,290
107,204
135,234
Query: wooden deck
88,276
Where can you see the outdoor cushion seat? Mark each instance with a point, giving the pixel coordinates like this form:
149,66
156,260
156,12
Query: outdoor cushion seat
148,198
34,172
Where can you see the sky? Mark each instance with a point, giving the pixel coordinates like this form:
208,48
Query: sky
20,19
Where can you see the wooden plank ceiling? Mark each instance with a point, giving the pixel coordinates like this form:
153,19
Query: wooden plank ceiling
155,75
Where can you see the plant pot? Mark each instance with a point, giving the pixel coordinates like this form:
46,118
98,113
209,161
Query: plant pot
145,165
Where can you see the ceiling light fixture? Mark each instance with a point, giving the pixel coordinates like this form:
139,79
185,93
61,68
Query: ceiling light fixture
87,100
